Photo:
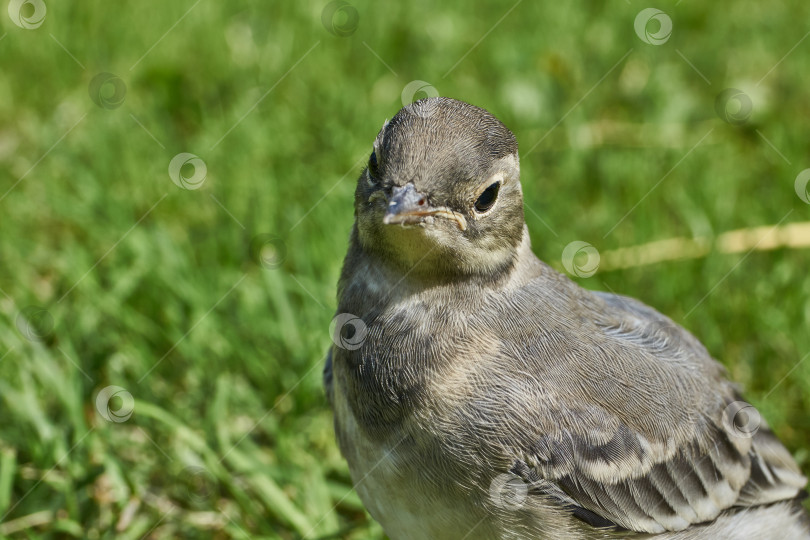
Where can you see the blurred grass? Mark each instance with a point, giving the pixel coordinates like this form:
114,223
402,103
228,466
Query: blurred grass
154,289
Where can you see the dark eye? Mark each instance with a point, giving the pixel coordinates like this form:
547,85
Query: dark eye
487,199
372,165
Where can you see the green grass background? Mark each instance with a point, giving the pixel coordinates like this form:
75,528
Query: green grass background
230,435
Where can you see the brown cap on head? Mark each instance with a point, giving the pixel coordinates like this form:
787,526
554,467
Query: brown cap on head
431,130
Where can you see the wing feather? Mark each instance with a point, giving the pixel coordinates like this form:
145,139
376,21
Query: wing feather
620,476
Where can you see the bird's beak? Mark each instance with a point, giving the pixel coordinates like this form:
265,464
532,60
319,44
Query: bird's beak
406,206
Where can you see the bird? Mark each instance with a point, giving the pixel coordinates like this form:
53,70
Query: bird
479,393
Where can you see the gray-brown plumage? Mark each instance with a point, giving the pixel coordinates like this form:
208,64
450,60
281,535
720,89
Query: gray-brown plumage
484,395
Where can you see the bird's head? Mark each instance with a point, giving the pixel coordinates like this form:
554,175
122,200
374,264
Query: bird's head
441,194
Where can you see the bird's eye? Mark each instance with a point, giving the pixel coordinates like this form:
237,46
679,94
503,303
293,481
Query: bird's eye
487,199
372,166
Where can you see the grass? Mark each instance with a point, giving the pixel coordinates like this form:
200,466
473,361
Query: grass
210,307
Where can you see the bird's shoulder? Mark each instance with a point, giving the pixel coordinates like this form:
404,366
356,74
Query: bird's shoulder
608,407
